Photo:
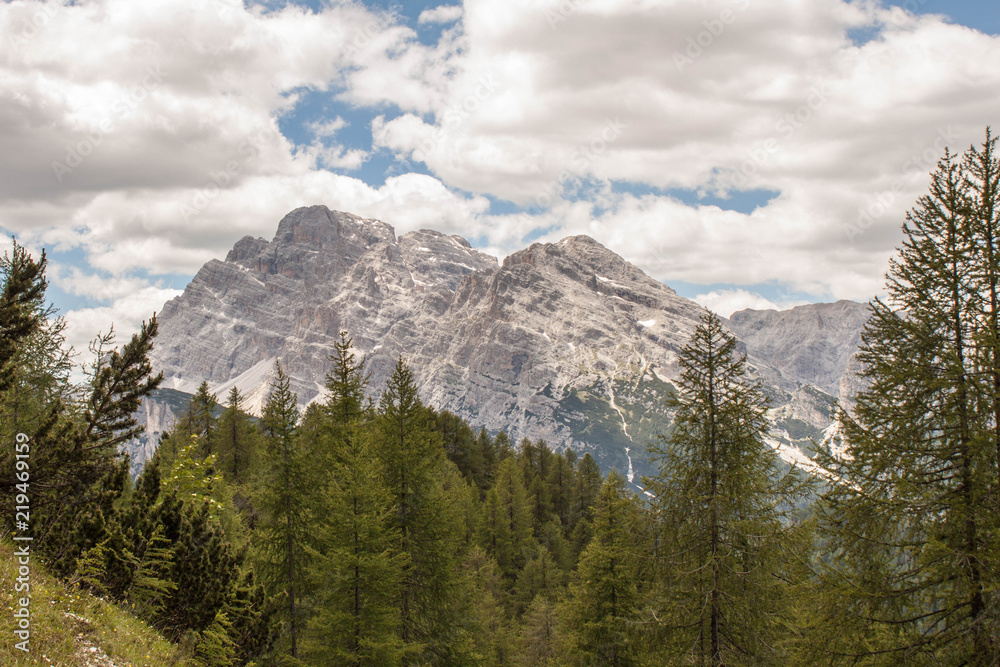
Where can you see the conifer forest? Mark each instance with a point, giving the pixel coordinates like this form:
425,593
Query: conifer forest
370,529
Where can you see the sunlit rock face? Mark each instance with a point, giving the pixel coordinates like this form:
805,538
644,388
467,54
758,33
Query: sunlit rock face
564,341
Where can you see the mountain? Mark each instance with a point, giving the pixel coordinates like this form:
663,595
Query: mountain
812,344
564,341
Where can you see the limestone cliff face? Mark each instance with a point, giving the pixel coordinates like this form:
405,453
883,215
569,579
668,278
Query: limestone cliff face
564,341
812,344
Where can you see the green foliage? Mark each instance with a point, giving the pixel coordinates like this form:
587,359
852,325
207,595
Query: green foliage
356,569
604,601
237,440
285,530
507,520
21,310
913,521
723,509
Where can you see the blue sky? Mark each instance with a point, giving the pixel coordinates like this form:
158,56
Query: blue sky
749,154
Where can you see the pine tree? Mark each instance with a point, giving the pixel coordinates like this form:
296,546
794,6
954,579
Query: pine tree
604,600
285,530
357,574
425,493
722,505
203,567
910,521
23,290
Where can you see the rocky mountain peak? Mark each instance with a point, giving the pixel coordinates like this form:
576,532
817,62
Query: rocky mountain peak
323,229
812,343
566,341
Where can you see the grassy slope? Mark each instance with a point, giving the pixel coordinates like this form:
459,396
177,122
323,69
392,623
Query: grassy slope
71,627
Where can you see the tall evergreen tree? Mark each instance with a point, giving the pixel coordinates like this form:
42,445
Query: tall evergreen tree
723,505
285,529
424,491
981,167
236,439
202,419
910,520
604,600
357,574
507,520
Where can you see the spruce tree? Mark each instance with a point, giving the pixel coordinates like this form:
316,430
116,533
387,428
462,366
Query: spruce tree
285,529
910,519
723,505
604,600
357,574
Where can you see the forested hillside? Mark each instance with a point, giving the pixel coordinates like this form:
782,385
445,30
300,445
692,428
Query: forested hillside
384,532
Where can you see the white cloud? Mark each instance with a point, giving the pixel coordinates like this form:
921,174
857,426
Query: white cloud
164,116
328,128
727,302
126,313
72,280
441,14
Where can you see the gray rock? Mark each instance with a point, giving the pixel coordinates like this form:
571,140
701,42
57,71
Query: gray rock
811,344
565,341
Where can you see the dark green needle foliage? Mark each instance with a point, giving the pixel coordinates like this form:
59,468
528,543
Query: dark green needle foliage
913,523
722,506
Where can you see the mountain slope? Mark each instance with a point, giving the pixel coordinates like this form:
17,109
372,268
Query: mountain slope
564,341
812,343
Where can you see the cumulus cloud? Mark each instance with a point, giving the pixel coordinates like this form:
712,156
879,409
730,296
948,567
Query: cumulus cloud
717,97
727,302
149,134
441,14
126,314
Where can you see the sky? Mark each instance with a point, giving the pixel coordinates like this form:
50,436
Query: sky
748,153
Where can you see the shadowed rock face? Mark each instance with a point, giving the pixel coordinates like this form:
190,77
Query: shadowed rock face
565,341
813,343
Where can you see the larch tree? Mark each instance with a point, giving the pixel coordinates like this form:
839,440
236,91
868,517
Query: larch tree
913,521
604,601
237,437
426,493
285,530
356,571
722,504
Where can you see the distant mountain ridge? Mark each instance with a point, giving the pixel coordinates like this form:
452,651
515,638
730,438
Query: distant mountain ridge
564,341
814,343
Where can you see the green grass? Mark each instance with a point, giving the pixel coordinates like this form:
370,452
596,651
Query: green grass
67,621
